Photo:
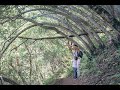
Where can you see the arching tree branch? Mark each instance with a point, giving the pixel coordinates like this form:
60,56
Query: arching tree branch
58,37
2,52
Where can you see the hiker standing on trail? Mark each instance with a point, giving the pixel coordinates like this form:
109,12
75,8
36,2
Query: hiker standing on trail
76,53
75,65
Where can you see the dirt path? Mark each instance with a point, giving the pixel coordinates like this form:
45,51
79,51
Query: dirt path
69,81
66,81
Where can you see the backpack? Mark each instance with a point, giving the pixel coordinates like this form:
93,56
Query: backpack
80,54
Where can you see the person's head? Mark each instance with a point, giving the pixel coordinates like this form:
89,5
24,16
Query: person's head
75,45
76,58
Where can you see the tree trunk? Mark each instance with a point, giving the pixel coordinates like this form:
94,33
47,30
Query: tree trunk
30,60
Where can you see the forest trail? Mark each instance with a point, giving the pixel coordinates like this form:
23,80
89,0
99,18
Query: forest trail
84,80
70,81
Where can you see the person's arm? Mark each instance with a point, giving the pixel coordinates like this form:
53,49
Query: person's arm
70,47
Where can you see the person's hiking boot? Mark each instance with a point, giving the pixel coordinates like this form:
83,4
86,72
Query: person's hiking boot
74,78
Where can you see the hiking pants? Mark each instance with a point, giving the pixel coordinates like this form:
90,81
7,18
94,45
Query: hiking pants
74,72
